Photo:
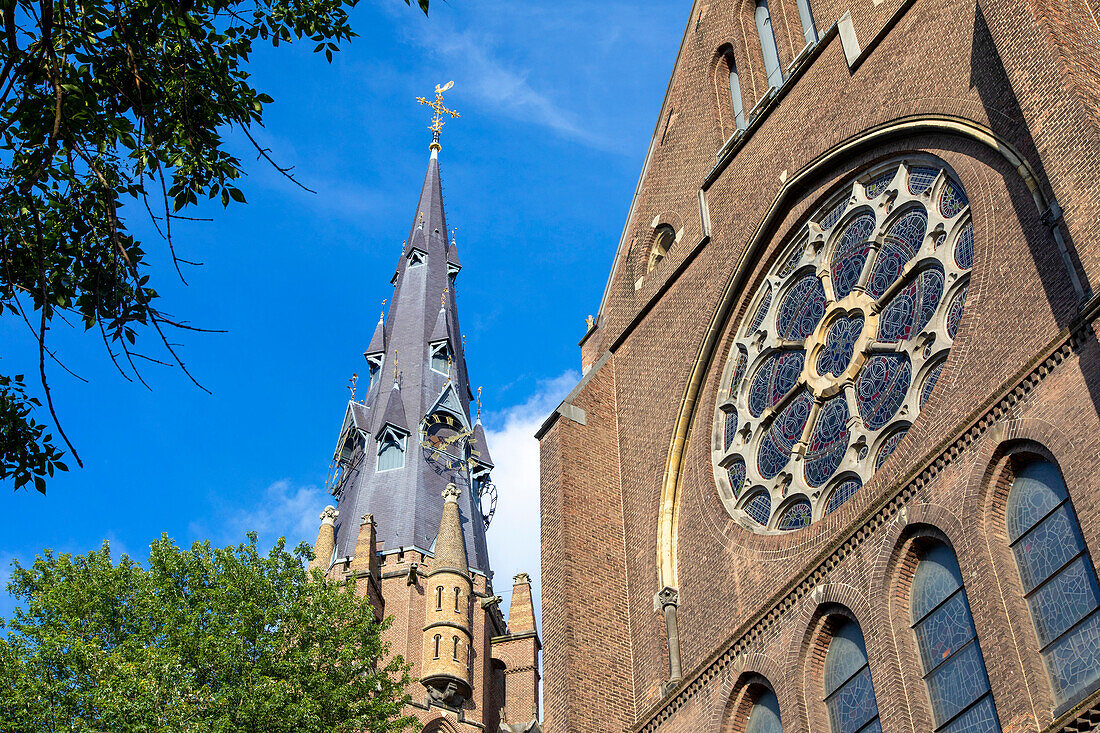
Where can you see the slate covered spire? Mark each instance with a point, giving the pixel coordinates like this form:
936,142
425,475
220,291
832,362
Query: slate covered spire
422,316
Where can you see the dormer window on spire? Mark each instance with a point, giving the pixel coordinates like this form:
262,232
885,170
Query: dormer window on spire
391,450
417,257
441,357
374,365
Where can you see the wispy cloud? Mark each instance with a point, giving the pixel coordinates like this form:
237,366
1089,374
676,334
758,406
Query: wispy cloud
514,534
283,510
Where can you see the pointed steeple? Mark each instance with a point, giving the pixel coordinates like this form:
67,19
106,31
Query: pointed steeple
450,548
405,498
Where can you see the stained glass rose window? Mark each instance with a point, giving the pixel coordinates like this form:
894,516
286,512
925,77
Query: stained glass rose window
841,346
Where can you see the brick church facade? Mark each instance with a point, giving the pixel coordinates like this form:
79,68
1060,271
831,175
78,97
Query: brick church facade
832,465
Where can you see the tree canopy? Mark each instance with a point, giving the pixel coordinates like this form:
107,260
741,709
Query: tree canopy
111,108
201,639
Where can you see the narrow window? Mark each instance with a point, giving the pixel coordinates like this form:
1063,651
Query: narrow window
455,653
437,637
767,44
809,30
735,92
1058,578
764,715
457,592
951,658
391,452
849,694
441,358
439,598
663,239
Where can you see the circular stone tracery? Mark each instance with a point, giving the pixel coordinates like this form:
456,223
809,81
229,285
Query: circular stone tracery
842,346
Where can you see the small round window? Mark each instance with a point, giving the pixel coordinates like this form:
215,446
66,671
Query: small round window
842,345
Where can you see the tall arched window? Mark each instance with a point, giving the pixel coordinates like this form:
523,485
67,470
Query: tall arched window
663,239
458,593
454,654
809,30
767,44
735,92
436,639
954,670
1058,578
849,694
439,598
764,714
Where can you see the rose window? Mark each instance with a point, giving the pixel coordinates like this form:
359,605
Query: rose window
842,345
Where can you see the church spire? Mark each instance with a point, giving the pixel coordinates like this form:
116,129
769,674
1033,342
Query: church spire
411,440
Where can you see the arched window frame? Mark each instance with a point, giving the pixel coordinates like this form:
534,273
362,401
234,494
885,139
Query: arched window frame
806,15
838,693
437,639
454,654
439,598
768,47
458,595
764,715
1054,634
950,654
664,236
734,89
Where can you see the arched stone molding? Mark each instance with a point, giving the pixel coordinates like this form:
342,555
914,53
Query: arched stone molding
441,725
732,704
668,511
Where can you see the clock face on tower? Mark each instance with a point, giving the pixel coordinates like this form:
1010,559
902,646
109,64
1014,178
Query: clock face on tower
442,439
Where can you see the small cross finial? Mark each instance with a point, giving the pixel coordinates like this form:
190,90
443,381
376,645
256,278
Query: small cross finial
479,404
453,230
351,385
420,221
440,110
395,368
443,298
383,313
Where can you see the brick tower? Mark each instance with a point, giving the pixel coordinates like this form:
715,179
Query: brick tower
412,478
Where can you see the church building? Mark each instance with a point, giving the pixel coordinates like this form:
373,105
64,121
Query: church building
414,497
833,462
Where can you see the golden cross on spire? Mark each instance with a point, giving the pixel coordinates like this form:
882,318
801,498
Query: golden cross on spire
443,298
440,110
479,404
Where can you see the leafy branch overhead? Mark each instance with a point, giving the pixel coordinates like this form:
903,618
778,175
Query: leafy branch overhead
110,108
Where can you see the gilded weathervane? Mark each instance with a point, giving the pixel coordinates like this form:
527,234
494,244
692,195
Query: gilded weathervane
440,110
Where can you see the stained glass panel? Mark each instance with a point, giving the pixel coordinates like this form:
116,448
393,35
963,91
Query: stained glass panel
1037,488
853,705
842,493
1074,660
937,576
739,372
900,245
801,310
759,507
785,431
944,632
955,311
796,516
888,447
957,682
736,473
762,311
764,716
952,199
912,308
828,442
930,383
881,388
851,253
982,718
840,343
921,179
775,378
845,656
792,261
1048,546
964,247
879,183
1064,600
731,427
829,220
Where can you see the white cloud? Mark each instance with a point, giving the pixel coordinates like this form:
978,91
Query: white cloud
284,510
514,535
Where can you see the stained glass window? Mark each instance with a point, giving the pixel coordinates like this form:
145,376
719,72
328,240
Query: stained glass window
964,248
951,657
764,715
796,516
879,183
1058,578
736,475
921,179
849,693
851,253
801,309
824,376
952,199
842,493
775,378
759,507
828,442
901,244
731,427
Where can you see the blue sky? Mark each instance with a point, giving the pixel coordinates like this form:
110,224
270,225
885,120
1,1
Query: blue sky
558,102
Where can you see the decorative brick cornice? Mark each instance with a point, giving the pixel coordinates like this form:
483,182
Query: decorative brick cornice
984,417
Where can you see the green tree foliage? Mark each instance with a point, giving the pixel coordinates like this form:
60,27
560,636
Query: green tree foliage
202,640
105,105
